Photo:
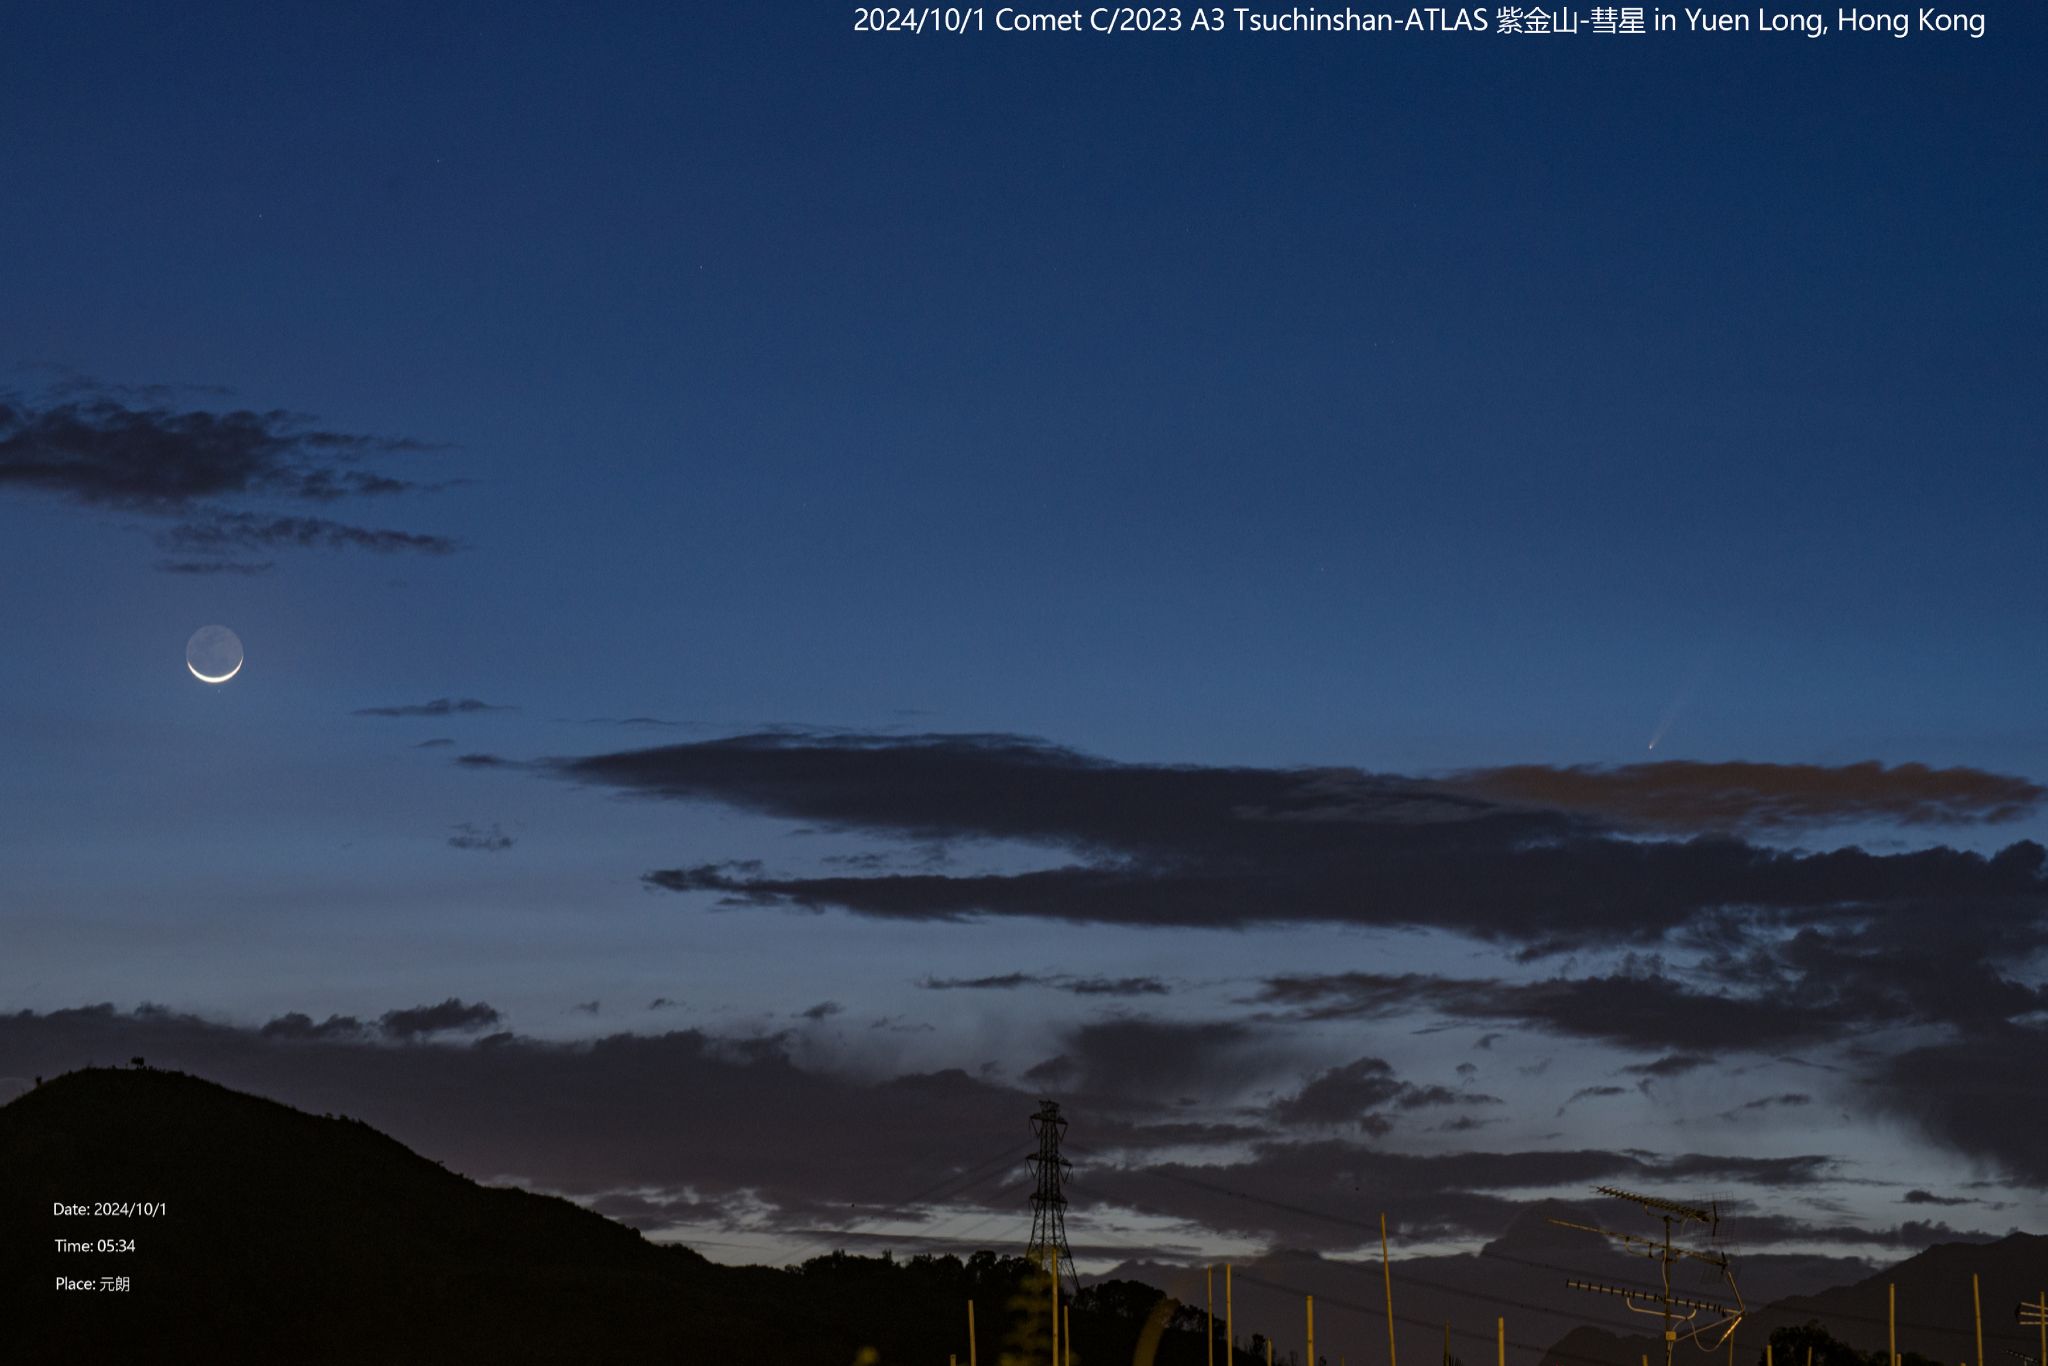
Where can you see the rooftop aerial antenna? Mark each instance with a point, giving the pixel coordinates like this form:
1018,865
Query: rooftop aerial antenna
1667,1254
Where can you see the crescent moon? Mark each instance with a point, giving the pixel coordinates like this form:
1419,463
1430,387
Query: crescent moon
209,678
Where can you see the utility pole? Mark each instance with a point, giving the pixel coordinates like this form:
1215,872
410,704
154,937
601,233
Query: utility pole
1665,1254
2032,1314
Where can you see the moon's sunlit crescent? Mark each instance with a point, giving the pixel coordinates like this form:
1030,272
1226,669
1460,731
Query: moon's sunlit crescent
214,654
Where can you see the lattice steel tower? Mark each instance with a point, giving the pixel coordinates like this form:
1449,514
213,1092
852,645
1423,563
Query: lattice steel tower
1048,1247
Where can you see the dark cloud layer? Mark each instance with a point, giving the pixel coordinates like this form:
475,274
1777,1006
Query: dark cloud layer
224,532
1230,847
198,567
1963,970
1117,1064
731,1120
1079,986
1670,1065
133,451
440,706
1360,1093
713,1127
451,1016
417,1022
1980,1095
1647,1009
1323,1195
1684,796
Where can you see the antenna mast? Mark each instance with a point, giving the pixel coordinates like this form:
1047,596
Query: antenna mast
1666,1255
1048,1247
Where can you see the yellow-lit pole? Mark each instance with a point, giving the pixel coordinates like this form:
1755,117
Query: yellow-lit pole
1767,1355
1311,1330
1977,1312
970,1335
1230,1322
1891,1322
1067,1331
2043,1358
1500,1331
1387,1277
1052,1262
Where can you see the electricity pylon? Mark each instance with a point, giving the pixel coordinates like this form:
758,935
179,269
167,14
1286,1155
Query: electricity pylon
1048,1247
1666,1255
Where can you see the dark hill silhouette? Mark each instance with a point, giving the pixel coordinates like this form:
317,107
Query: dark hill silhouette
292,1239
1934,1318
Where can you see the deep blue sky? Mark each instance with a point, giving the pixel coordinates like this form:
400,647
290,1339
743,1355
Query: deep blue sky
1405,404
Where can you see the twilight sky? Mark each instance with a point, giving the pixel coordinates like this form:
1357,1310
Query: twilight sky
801,583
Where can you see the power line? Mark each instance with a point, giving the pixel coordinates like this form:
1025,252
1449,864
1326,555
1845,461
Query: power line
1458,1291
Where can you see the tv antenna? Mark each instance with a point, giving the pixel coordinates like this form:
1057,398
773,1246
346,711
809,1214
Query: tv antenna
1667,1255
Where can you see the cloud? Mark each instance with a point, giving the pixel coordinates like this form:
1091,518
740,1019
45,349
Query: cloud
451,1016
133,449
1115,986
823,1010
1684,796
738,1131
224,532
300,1026
1133,1065
1008,981
1920,1197
1644,1009
440,706
1591,1093
1315,1195
1079,986
1359,1093
1788,1098
1670,1065
733,1120
213,567
1906,966
484,839
1979,1095
439,742
1160,846
415,1023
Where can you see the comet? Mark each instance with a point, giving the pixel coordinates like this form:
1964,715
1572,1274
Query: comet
1670,715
